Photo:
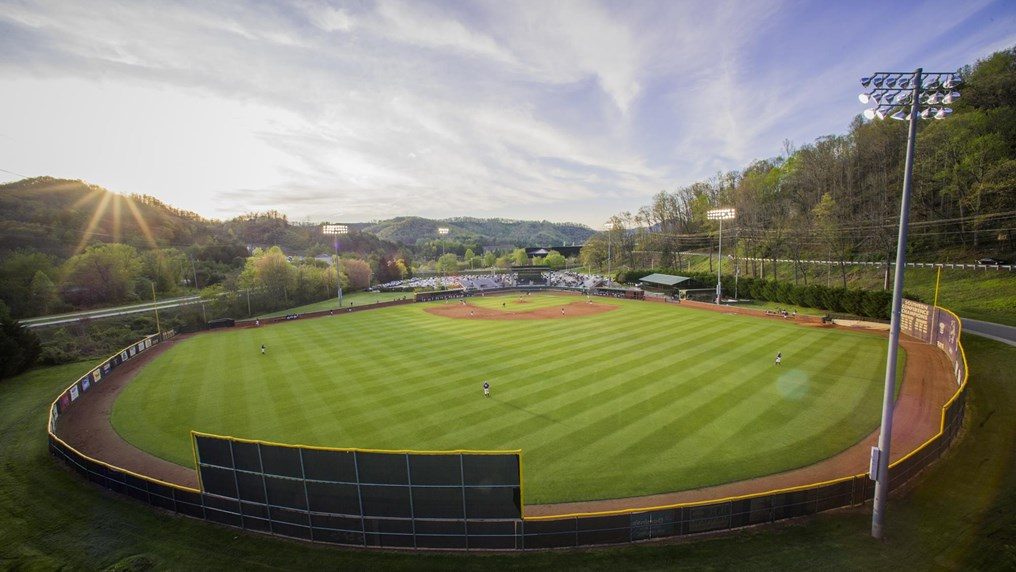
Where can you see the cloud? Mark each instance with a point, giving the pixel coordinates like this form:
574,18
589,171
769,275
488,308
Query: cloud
367,110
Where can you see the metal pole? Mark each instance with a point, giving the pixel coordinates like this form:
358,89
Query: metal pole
608,253
248,303
938,278
719,261
338,284
194,269
158,327
885,434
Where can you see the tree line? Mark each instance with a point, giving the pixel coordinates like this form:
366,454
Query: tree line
838,198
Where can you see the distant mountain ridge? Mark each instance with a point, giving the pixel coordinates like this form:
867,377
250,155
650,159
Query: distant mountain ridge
489,232
56,216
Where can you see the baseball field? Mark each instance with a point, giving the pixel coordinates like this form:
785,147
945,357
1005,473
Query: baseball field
609,398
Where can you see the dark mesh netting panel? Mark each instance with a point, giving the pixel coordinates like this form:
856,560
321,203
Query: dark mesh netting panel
348,523
221,503
492,502
218,481
213,451
285,492
490,469
252,487
333,497
282,461
255,510
385,501
382,468
707,518
604,529
337,466
435,469
445,527
246,458
289,516
437,502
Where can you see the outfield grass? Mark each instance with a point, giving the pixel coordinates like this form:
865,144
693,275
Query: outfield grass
959,516
647,398
356,299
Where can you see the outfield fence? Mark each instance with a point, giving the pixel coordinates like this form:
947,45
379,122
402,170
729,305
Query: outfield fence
459,500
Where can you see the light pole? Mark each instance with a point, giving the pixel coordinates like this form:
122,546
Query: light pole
336,230
442,231
608,227
737,272
899,95
720,215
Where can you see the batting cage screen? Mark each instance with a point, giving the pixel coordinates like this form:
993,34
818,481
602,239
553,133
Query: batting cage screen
531,275
371,498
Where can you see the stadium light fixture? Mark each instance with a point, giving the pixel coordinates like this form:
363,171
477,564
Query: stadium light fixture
906,103
335,230
720,215
442,231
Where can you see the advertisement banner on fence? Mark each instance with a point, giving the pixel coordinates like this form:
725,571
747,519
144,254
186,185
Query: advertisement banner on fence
947,337
64,401
97,374
915,320
123,355
74,392
106,367
86,382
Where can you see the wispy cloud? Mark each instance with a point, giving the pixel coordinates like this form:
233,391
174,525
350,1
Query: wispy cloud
359,110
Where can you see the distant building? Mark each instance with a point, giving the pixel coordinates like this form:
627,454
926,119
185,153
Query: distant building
566,251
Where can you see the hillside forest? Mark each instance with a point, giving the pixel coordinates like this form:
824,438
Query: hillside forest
838,198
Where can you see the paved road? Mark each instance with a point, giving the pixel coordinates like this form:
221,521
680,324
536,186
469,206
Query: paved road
110,312
997,332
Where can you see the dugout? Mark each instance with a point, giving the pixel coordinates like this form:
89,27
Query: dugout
440,295
221,323
698,294
664,283
629,293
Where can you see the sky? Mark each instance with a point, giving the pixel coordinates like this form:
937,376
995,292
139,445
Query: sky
363,110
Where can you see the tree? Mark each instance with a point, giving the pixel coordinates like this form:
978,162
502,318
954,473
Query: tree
104,273
448,263
17,272
519,257
19,346
489,259
555,260
358,272
594,253
43,293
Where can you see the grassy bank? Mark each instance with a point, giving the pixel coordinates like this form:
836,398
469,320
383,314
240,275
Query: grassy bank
988,295
355,299
959,517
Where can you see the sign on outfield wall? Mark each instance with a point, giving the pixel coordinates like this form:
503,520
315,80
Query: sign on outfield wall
915,320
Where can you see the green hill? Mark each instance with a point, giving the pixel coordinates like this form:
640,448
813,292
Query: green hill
487,232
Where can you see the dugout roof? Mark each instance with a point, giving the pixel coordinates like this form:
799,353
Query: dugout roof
664,279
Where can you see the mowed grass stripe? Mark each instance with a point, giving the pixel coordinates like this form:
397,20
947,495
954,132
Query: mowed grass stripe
592,401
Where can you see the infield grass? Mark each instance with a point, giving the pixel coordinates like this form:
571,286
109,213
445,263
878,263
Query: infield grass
644,399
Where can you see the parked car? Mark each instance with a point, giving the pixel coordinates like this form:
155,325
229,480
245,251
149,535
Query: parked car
990,261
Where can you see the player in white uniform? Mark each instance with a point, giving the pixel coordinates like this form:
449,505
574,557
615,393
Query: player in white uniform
486,389
779,357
